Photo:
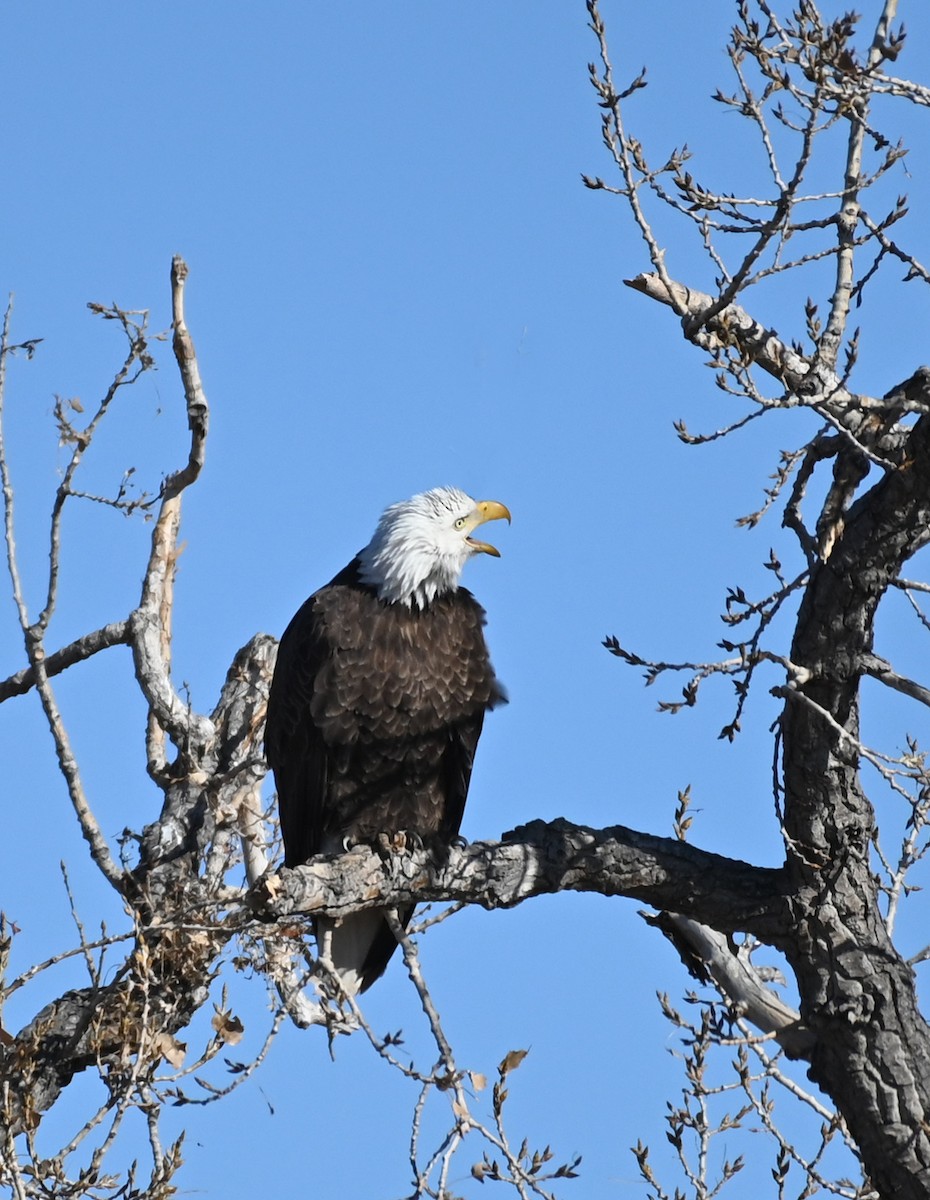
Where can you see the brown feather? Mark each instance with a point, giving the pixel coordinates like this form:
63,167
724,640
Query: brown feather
374,715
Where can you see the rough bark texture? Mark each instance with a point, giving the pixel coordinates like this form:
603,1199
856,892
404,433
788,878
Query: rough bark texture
872,1049
534,860
168,977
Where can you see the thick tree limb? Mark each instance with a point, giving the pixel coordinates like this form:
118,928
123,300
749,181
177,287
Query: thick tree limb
533,860
87,1025
858,995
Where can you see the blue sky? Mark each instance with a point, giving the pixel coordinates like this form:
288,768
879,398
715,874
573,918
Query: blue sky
397,281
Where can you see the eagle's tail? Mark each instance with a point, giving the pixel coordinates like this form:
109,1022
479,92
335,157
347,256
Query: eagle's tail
359,947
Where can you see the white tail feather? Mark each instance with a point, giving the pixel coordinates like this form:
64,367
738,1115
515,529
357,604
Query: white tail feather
344,946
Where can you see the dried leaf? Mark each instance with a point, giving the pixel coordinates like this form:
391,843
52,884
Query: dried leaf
170,1049
228,1027
512,1060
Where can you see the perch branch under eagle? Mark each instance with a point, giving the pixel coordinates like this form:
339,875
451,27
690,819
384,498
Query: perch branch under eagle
379,694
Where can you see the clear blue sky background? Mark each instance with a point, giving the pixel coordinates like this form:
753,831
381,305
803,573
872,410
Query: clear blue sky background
398,280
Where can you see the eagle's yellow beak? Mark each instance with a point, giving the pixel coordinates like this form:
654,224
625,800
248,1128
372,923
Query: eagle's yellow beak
486,510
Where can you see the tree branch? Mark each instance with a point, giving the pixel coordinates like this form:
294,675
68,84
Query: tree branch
848,216
866,422
167,977
731,326
149,622
114,634
33,633
533,860
707,953
198,412
878,668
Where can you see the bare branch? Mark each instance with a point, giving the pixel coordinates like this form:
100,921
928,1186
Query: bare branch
198,413
34,633
737,980
149,622
848,217
731,326
878,669
84,647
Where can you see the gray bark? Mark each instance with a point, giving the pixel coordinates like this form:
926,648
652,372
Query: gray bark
872,1048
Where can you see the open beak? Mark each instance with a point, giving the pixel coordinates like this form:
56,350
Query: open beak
487,510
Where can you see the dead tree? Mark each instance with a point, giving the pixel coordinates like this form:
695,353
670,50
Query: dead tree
829,909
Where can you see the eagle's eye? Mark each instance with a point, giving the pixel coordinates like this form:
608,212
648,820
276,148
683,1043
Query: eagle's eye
460,523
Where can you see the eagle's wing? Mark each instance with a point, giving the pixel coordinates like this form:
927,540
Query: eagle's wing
457,765
294,745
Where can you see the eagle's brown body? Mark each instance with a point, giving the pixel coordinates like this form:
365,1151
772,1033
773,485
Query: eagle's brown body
373,719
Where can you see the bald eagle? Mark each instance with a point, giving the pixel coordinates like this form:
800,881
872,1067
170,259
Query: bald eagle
379,694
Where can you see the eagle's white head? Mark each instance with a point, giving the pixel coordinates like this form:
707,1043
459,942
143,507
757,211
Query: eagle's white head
421,545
